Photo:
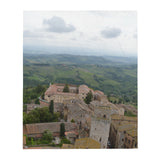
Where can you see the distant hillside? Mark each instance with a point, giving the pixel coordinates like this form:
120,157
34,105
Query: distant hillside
112,75
52,59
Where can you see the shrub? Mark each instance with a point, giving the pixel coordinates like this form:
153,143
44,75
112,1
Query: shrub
24,108
73,121
47,137
53,144
37,101
65,141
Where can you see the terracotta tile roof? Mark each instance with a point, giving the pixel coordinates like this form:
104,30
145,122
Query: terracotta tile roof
38,128
84,89
120,117
129,127
51,90
87,143
24,130
99,92
71,132
132,132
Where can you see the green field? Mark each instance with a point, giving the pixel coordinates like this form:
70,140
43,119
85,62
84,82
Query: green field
116,76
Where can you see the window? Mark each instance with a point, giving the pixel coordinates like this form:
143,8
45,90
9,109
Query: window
122,139
125,139
100,140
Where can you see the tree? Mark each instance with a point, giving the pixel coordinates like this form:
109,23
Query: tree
66,88
120,100
47,136
43,96
62,130
89,97
24,108
65,141
37,101
40,89
24,118
51,107
40,115
73,121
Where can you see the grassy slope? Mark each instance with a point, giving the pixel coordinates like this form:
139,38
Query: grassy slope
112,77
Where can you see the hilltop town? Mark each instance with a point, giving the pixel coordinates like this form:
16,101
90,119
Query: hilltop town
87,119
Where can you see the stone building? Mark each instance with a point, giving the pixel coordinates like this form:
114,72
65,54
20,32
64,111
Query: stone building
105,108
72,136
99,131
123,132
31,107
128,108
78,111
55,92
36,130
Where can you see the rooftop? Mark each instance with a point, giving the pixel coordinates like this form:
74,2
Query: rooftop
87,143
37,128
129,127
123,118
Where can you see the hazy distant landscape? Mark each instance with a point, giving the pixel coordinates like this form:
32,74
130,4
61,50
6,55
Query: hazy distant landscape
116,76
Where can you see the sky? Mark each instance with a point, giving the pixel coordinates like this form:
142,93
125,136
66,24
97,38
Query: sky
107,32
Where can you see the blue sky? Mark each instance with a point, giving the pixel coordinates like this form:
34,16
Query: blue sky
113,32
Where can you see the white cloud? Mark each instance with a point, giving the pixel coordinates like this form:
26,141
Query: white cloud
111,32
58,25
82,29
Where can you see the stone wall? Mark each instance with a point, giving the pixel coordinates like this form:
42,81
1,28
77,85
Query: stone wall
44,104
78,111
123,133
60,98
100,131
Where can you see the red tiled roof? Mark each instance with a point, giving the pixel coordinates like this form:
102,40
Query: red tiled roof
71,132
51,90
38,128
99,92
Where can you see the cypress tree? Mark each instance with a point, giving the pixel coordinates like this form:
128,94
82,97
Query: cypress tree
51,107
66,88
62,130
